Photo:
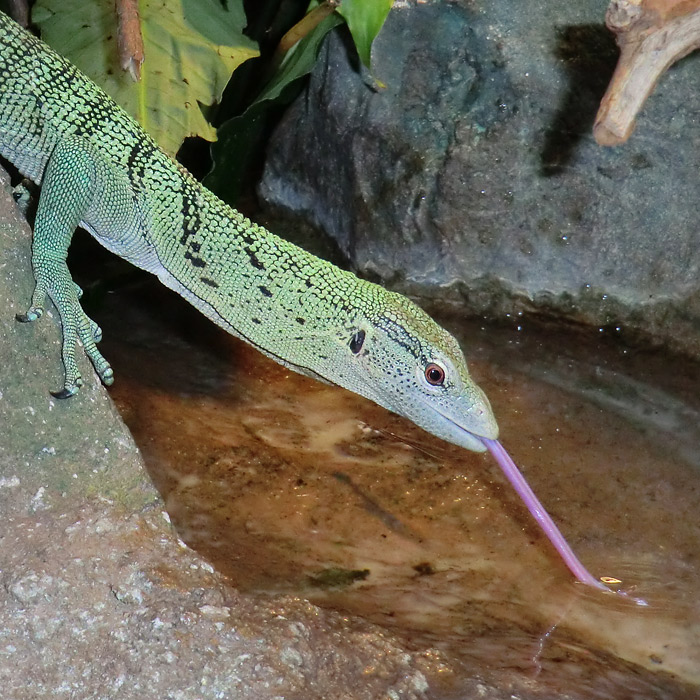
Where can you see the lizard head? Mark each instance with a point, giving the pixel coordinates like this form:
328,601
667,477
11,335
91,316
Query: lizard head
397,356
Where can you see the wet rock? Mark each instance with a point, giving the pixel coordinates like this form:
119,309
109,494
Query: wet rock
474,177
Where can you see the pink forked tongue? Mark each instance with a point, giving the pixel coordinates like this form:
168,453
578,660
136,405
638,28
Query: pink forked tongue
540,514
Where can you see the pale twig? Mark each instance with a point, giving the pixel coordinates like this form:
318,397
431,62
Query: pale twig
129,39
652,35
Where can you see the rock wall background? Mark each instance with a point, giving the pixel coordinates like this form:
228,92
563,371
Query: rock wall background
474,177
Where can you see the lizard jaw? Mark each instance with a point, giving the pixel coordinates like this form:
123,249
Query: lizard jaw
449,429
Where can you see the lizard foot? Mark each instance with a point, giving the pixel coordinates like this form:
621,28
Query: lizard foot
78,328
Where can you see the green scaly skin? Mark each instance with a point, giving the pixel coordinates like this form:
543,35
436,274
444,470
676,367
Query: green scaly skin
98,169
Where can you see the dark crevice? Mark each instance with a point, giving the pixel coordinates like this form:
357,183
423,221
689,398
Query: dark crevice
589,54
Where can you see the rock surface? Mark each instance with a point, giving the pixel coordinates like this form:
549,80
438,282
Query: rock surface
100,603
474,176
99,598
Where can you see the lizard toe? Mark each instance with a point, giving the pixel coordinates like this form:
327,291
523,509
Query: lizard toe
32,315
107,376
102,367
96,331
66,392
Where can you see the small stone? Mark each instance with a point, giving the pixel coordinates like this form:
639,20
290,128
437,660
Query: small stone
291,657
31,588
215,611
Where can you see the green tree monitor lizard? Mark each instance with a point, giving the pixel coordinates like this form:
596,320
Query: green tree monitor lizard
98,169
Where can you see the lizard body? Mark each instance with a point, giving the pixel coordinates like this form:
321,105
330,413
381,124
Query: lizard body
98,169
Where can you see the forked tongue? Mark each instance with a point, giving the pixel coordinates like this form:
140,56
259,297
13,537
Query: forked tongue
542,517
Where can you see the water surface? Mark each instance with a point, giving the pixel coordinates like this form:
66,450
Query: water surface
289,485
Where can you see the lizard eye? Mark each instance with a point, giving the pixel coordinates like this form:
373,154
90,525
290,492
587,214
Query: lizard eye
434,374
356,342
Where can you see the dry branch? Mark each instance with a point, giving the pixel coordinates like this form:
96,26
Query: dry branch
130,41
652,35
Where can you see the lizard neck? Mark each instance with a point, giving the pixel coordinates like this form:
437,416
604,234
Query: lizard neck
288,303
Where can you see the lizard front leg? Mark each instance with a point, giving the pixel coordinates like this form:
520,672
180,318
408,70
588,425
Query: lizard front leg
73,180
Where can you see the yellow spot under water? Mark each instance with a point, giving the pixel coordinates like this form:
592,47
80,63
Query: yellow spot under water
610,579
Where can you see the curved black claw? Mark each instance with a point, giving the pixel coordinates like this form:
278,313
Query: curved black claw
23,195
71,389
64,393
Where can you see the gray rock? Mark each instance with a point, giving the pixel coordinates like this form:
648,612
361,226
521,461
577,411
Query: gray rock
51,447
473,176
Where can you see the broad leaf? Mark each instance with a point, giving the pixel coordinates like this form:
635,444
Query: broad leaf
241,138
299,61
365,18
191,46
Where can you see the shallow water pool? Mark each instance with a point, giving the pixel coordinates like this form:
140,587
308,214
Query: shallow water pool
289,485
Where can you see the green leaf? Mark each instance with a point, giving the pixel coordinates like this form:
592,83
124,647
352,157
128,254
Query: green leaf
241,139
299,61
191,47
365,18
240,144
